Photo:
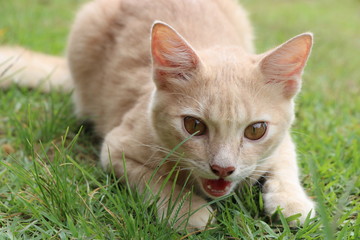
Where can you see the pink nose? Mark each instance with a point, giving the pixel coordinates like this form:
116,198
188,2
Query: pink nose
222,172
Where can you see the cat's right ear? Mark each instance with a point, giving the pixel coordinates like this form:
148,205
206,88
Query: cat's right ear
172,57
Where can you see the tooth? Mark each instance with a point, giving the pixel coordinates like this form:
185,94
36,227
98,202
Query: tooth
209,187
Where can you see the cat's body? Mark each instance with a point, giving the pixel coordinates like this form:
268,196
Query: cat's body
147,91
113,42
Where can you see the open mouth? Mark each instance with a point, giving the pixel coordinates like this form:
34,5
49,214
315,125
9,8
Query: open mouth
216,187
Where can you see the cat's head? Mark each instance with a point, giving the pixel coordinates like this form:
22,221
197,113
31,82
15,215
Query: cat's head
238,106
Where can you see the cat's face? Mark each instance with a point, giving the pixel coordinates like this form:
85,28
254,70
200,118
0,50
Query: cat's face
233,111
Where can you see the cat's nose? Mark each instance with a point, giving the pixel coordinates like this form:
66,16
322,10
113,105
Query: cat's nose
222,172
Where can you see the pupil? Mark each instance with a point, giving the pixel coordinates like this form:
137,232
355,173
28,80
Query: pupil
255,127
196,124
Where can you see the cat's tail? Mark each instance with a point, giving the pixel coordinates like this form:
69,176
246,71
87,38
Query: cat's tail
34,70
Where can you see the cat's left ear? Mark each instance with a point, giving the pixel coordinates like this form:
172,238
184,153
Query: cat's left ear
173,58
284,65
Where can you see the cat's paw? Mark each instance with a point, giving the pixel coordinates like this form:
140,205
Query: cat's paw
291,203
201,218
196,218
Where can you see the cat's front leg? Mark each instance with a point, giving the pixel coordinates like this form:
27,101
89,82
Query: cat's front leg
196,213
282,187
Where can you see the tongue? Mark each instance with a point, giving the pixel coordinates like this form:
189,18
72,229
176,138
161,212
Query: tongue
216,187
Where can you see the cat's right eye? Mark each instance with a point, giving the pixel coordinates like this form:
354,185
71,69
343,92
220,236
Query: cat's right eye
194,126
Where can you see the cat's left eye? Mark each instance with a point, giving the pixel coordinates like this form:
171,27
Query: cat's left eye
255,131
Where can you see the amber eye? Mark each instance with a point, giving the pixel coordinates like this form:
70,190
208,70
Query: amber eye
255,131
194,125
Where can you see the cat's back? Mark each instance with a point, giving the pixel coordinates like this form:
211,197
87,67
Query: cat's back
126,24
202,22
109,47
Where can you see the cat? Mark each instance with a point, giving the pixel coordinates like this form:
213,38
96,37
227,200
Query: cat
152,74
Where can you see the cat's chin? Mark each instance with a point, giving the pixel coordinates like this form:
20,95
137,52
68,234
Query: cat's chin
216,187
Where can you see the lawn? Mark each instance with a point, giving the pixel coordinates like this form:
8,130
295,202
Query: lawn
51,186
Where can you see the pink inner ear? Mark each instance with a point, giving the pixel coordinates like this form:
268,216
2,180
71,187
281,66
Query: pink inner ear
168,55
170,50
156,51
291,88
284,65
173,58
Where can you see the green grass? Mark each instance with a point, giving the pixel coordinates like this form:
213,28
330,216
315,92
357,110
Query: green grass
52,188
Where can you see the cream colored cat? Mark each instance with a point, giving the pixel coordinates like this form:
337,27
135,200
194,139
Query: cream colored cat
150,74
